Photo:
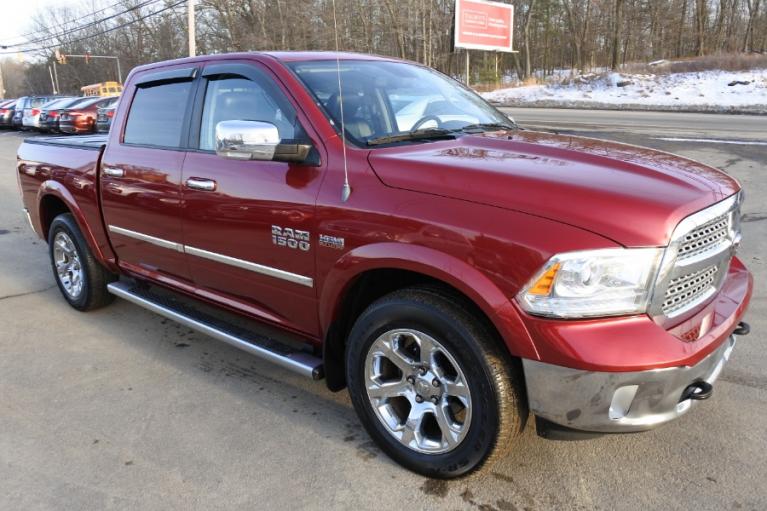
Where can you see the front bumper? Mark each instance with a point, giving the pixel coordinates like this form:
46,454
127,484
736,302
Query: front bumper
617,402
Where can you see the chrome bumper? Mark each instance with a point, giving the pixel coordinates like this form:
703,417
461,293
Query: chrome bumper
613,402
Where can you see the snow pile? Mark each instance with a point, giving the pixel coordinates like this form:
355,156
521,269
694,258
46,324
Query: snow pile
744,91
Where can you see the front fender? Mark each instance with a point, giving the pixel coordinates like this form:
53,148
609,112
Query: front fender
438,265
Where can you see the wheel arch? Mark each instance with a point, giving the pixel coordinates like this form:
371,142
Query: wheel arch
370,272
54,199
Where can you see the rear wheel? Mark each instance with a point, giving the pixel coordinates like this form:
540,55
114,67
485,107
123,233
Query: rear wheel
80,277
430,384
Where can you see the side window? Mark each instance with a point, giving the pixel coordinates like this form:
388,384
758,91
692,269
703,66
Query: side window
231,97
156,115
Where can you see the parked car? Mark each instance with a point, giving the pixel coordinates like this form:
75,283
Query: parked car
456,276
31,110
104,117
6,112
18,112
81,118
49,115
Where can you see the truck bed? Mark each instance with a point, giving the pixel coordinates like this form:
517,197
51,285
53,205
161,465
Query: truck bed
92,142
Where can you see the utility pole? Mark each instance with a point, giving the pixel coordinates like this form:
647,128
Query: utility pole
53,84
190,28
56,77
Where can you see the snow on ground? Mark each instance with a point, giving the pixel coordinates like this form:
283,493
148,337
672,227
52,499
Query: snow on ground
701,91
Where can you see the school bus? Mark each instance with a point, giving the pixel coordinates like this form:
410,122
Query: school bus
102,89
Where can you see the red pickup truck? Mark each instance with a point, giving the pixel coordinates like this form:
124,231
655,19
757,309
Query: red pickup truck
375,223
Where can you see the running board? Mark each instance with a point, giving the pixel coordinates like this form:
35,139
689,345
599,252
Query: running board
259,345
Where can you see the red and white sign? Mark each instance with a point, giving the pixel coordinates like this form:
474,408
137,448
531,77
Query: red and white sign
483,25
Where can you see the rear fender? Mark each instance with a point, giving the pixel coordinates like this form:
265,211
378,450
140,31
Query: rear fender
56,189
437,265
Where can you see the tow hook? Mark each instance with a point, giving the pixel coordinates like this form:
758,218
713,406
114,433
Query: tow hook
697,391
742,329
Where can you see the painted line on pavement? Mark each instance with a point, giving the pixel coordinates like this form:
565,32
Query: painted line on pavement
711,141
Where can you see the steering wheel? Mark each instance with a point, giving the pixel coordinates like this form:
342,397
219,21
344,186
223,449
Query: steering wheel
423,120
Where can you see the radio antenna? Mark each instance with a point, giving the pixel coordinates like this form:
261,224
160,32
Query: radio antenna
346,191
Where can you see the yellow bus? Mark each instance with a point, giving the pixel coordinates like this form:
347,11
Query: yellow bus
102,89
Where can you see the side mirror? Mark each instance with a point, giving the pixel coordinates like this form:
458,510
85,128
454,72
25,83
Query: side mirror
256,140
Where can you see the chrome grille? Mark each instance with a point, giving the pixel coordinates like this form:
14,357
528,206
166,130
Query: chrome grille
689,289
705,238
697,259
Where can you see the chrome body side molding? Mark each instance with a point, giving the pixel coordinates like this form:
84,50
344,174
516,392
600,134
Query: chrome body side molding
170,245
219,258
254,267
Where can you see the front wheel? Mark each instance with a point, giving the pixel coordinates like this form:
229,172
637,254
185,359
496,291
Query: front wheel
431,386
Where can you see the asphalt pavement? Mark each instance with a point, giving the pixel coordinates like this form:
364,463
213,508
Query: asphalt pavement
694,126
121,409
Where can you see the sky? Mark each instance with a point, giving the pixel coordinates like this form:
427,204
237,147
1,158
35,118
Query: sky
16,15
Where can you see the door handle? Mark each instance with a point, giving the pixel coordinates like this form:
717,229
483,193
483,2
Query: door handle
113,172
196,183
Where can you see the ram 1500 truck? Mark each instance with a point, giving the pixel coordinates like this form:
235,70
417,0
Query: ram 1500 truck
373,222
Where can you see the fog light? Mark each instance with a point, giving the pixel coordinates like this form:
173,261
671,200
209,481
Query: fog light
621,403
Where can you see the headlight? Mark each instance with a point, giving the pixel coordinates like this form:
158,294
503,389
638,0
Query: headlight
606,282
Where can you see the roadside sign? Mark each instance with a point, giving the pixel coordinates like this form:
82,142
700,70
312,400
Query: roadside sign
483,25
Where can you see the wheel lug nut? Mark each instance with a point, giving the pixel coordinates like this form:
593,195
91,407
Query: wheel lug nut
411,380
422,371
434,399
418,398
435,382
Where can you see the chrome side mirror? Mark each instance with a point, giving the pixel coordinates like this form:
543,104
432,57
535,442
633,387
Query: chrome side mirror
246,140
256,140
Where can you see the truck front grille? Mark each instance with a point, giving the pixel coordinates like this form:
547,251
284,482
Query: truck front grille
697,259
688,289
705,238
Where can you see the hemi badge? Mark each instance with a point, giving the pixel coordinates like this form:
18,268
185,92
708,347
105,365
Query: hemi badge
331,241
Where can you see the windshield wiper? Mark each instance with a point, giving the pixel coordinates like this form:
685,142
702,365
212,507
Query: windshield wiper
424,134
487,126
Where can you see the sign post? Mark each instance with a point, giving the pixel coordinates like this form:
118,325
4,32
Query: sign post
483,25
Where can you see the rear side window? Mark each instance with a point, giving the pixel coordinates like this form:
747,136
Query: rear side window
156,116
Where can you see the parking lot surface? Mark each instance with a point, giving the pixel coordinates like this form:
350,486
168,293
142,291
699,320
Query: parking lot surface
121,409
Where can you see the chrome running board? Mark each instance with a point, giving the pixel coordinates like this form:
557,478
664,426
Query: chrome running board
259,345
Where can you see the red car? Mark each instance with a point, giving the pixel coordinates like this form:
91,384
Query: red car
409,242
82,117
7,108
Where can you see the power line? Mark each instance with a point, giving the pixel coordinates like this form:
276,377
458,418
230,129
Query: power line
59,25
81,27
89,36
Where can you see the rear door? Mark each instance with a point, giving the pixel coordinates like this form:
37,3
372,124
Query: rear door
250,233
141,175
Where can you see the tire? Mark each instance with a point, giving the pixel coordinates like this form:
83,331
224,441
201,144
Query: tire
466,428
82,281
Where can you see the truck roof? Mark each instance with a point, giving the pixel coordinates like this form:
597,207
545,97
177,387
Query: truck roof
283,56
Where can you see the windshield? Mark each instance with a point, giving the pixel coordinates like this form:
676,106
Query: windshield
381,99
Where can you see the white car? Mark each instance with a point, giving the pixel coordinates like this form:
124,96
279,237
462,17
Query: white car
32,108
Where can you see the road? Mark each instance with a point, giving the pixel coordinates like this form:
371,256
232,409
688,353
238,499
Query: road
120,409
654,124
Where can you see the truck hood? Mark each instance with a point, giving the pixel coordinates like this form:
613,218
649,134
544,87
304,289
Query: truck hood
632,195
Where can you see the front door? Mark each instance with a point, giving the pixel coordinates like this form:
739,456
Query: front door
249,226
141,176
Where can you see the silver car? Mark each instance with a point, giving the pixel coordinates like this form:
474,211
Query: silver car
31,116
